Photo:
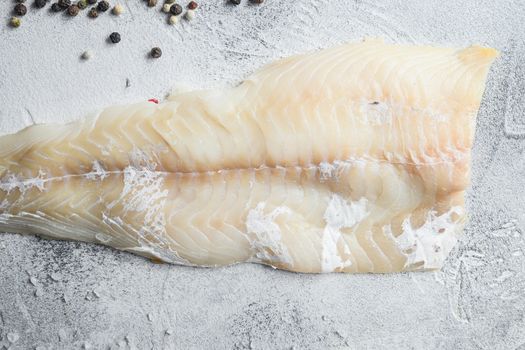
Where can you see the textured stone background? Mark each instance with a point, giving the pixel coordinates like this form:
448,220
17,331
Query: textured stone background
61,295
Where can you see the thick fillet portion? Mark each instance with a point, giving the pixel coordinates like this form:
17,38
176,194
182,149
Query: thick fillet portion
350,159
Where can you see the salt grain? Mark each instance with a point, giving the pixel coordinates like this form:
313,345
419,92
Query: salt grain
13,337
55,276
62,335
86,55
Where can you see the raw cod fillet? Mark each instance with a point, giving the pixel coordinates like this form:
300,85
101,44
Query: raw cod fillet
350,159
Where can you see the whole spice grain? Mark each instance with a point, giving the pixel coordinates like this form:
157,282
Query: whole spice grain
176,9
40,3
86,55
190,14
173,20
257,1
92,2
169,2
193,5
235,2
64,4
156,52
20,9
118,9
93,13
14,22
82,4
114,37
152,3
56,7
166,8
103,6
73,10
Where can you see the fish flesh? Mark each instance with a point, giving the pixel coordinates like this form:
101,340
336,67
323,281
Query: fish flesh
350,159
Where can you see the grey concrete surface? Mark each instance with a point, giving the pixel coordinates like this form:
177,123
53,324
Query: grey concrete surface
63,295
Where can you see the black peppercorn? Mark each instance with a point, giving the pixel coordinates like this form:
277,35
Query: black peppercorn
93,13
152,3
192,5
176,9
64,4
235,2
103,6
257,1
56,7
40,3
156,52
73,10
20,9
92,2
114,37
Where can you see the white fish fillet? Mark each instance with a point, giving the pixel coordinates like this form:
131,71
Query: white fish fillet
350,159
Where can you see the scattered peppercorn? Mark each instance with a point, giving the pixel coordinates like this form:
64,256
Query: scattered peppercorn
235,2
118,9
173,20
156,52
86,55
56,7
93,13
73,10
82,4
114,37
103,6
40,3
176,9
92,2
14,22
169,2
64,4
20,9
166,8
193,5
190,14
152,3
257,1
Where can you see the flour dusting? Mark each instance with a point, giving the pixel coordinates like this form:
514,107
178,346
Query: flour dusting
10,182
267,237
97,172
431,243
339,214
